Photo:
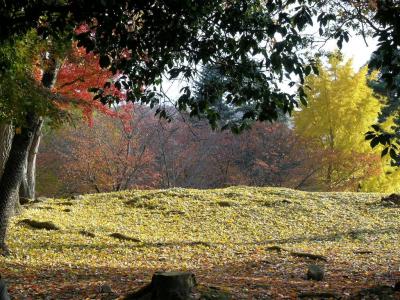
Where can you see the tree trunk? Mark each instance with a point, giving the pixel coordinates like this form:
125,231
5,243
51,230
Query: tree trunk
32,156
329,171
28,182
11,179
6,136
24,186
166,286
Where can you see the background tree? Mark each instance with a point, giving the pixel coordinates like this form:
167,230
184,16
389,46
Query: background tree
341,108
177,154
105,157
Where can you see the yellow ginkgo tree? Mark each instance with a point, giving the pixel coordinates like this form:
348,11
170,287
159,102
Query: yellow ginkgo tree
341,108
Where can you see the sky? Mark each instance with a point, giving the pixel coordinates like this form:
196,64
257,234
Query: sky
356,49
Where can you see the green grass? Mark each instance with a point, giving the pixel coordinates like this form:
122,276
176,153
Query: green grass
203,229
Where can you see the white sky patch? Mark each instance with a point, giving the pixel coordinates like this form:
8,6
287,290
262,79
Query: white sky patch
355,49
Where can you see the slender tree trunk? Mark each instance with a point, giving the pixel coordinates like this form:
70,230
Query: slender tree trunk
28,182
329,174
24,186
13,169
32,156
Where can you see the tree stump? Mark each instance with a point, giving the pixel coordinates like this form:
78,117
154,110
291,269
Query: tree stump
166,286
393,199
315,272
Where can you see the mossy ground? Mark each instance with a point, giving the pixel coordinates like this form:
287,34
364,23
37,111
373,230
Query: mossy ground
224,245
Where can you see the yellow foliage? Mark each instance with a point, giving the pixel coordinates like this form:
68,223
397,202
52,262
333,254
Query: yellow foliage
388,181
189,227
341,109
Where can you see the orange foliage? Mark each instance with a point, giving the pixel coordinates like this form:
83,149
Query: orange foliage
79,72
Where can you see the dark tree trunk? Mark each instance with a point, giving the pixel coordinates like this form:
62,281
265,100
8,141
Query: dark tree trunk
11,179
6,137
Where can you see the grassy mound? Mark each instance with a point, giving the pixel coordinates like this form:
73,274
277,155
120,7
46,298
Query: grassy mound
224,236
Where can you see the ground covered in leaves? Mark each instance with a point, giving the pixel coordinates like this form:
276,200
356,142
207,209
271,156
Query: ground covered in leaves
240,240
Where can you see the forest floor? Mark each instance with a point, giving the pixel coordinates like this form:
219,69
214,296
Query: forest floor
239,240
